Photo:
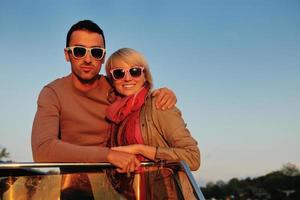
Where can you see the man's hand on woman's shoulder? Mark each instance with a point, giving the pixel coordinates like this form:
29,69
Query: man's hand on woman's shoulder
165,98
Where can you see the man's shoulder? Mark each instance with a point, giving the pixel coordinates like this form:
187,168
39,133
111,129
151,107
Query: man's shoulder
105,82
59,82
58,86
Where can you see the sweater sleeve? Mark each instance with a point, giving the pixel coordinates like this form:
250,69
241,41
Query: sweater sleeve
182,146
45,142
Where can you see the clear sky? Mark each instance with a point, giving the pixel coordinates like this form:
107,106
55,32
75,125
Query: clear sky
233,64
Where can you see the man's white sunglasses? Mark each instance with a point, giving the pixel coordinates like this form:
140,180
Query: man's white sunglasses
80,52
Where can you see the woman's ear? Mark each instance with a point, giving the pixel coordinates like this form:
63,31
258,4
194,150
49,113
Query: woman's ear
67,56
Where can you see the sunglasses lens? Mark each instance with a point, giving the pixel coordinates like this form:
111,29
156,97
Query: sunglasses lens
97,53
118,73
135,72
79,52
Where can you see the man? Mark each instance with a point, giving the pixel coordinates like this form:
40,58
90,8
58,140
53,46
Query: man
69,124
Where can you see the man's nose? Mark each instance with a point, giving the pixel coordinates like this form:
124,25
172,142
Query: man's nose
88,57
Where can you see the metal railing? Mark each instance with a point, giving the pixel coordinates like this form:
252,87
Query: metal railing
32,179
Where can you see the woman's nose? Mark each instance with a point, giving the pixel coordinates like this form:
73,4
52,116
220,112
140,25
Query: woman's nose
127,77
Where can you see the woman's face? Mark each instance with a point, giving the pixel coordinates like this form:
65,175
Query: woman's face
132,81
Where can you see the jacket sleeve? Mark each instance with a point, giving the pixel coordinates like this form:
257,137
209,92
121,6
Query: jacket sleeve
182,146
45,141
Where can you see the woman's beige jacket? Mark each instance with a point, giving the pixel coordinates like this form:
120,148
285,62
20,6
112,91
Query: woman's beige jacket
167,130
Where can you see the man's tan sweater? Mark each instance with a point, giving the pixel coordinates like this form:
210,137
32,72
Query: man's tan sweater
70,125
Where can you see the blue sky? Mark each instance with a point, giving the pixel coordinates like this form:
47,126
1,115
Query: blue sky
234,66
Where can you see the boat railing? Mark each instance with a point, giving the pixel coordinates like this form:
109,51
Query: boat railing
152,180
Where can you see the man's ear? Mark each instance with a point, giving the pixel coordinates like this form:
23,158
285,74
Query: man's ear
67,56
103,59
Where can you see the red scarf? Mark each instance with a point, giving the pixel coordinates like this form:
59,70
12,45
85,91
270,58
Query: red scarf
125,113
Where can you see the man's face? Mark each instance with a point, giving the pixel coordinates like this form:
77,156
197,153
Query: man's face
85,69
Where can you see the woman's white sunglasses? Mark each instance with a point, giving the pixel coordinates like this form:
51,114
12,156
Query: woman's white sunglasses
119,73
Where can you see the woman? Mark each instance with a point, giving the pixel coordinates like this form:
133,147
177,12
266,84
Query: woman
138,127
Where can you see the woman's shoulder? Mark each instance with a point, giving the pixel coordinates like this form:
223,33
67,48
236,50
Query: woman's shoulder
151,108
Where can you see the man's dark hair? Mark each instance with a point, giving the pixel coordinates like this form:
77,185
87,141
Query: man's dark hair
86,25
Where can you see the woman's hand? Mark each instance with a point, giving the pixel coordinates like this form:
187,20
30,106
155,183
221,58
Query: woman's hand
133,149
125,162
144,150
165,98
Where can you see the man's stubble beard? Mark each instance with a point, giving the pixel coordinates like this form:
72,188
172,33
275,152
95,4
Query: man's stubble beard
86,81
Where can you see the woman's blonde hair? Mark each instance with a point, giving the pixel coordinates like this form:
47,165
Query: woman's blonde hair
131,57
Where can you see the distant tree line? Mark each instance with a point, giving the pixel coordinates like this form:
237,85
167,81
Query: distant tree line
4,155
281,184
